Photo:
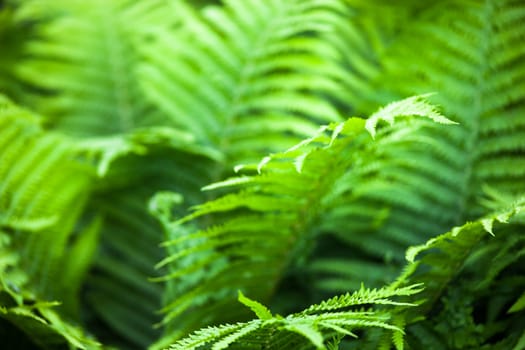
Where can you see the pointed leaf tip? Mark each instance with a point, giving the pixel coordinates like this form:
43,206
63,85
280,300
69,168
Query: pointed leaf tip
259,309
262,163
456,231
487,225
411,106
238,168
518,305
299,162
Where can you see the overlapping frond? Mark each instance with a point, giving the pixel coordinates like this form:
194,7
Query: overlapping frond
79,70
120,279
470,54
270,224
441,283
82,64
497,94
14,31
312,328
42,192
251,77
448,266
405,174
170,95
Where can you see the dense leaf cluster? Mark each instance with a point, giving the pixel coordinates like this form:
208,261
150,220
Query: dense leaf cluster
169,167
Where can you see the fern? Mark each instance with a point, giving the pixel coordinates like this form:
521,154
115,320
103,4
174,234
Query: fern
285,200
470,58
90,92
476,75
89,82
246,74
452,257
442,259
447,266
84,91
304,330
130,234
37,230
158,99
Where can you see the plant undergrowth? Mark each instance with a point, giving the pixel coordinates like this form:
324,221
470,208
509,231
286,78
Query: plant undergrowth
262,174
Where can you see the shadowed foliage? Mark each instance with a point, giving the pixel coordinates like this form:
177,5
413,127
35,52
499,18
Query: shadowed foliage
163,160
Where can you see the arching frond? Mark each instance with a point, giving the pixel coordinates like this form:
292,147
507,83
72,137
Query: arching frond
449,267
249,78
243,247
80,73
42,192
42,189
83,57
312,328
483,59
471,56
435,265
120,279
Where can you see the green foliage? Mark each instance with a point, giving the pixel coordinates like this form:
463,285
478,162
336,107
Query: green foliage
163,161
440,260
462,249
312,325
288,198
249,77
42,193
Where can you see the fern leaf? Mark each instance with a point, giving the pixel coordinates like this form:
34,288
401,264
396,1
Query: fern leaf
284,203
519,304
411,106
365,296
34,198
439,262
247,73
472,59
42,190
260,310
84,58
314,325
480,64
205,336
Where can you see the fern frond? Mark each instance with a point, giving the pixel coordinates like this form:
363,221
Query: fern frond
366,296
473,58
130,236
43,325
15,29
83,57
448,267
42,192
455,246
243,247
42,189
309,329
80,73
249,78
404,174
473,62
